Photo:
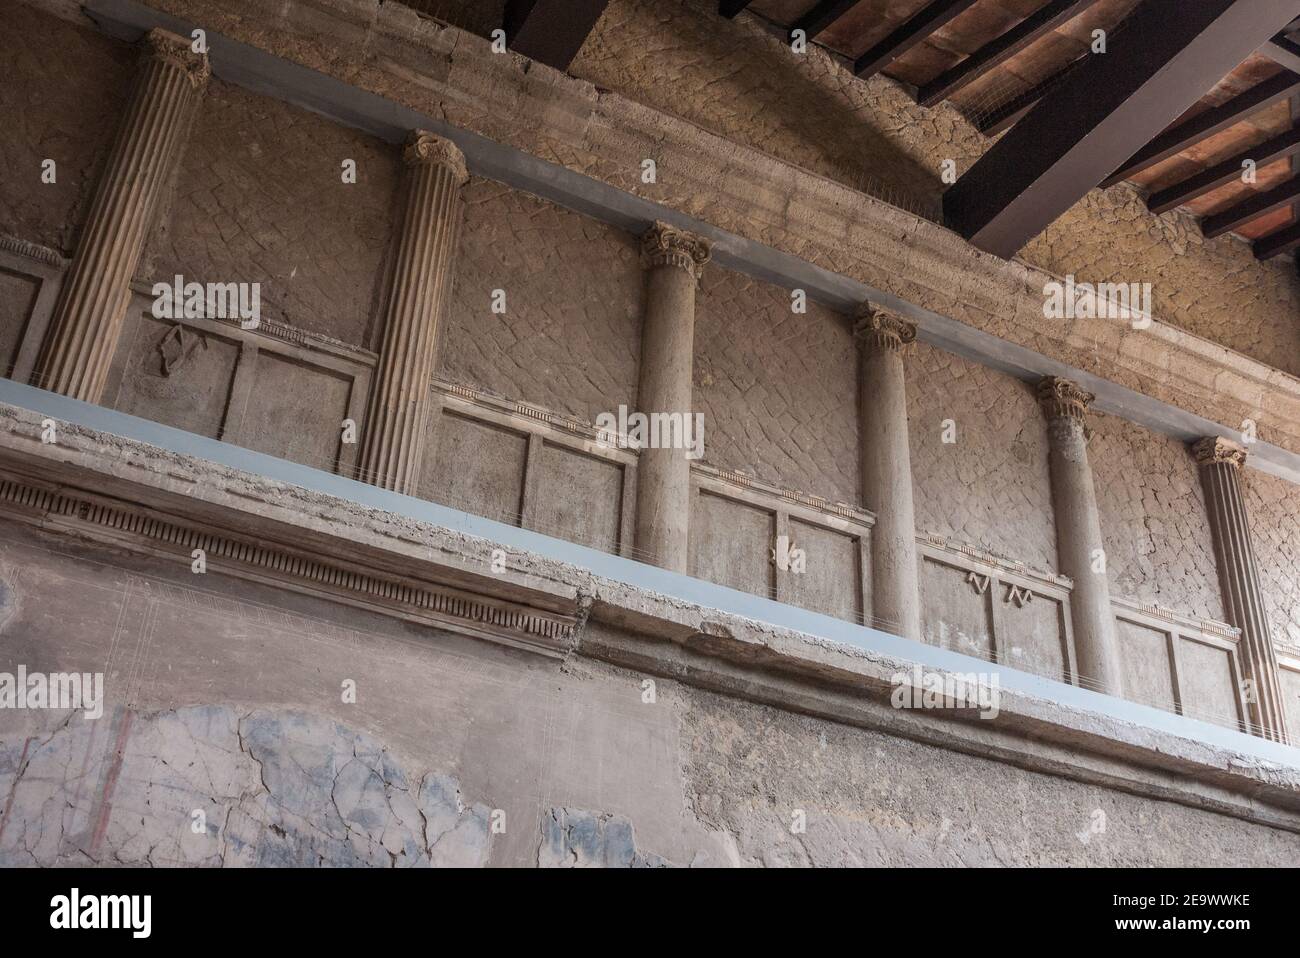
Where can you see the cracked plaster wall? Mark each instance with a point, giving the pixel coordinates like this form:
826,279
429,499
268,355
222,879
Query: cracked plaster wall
448,731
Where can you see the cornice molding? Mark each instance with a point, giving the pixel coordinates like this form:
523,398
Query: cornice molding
139,528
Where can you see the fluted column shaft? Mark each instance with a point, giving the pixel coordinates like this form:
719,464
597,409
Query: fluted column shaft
92,303
1221,463
1079,548
398,414
673,260
887,469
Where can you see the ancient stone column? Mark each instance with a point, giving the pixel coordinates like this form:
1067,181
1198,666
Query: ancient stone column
674,261
398,413
92,303
1079,548
1221,462
887,469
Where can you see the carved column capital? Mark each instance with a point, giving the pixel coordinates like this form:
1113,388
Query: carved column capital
162,46
1061,398
1215,449
881,328
664,245
428,149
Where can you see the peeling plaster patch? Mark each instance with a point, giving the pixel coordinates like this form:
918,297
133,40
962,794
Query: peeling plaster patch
572,838
207,785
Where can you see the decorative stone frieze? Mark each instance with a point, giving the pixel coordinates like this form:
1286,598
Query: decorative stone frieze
350,581
87,319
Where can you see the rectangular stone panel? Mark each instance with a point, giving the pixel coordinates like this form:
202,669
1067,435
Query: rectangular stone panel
1205,674
1032,636
476,467
954,614
17,298
731,543
296,411
178,376
1144,653
833,581
1290,680
579,498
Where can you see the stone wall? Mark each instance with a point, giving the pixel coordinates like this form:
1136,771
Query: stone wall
1153,519
569,339
260,198
778,389
1274,508
989,487
457,751
62,93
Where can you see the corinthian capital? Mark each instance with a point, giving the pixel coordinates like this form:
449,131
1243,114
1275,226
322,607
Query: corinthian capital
664,245
1215,449
175,51
428,149
881,328
1061,398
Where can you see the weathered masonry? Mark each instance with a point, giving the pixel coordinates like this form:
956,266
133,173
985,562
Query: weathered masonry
369,562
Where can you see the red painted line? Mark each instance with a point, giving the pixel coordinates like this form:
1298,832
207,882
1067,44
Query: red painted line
9,802
106,800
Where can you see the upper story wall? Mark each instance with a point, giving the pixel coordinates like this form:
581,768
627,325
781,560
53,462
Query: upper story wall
569,336
260,197
778,389
60,99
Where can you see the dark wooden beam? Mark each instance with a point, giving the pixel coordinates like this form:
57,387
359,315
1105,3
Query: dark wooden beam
926,21
729,8
1275,244
550,31
822,16
1162,201
1168,54
1251,209
1000,50
1206,124
1283,51
1005,116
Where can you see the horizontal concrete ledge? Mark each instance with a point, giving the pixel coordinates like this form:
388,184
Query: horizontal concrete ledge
847,666
275,77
